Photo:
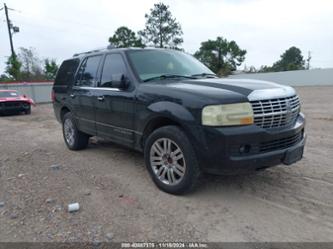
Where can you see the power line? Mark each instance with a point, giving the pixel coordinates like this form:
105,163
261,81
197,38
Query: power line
89,25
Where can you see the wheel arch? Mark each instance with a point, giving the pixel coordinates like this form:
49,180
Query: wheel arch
156,123
166,113
63,111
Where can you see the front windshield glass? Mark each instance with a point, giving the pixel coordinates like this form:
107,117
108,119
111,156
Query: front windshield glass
8,94
154,63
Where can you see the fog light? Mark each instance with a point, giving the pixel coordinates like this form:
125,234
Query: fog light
244,148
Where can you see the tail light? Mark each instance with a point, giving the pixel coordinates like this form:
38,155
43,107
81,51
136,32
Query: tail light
52,96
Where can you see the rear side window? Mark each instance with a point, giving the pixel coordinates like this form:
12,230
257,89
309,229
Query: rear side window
88,71
114,67
66,72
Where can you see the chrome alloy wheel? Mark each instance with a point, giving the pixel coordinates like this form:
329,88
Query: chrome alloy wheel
167,161
69,131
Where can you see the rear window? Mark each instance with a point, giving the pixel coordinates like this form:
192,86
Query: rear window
66,72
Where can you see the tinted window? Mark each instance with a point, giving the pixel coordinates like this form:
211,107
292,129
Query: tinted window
88,71
114,67
66,72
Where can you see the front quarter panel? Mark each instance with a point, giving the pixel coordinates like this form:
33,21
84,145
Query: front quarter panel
181,104
172,110
165,109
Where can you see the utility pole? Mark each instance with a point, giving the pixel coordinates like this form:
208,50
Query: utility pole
308,60
10,28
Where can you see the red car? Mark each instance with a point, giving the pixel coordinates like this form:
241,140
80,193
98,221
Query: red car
12,102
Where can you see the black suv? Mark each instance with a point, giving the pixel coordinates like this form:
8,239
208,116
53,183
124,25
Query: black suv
184,118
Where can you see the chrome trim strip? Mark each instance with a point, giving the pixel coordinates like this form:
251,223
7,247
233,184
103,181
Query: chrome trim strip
271,93
96,88
112,126
275,113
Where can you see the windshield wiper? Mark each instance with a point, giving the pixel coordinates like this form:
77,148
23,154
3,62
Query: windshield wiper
206,75
168,76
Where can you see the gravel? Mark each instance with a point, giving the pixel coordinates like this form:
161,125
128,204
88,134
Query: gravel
121,203
109,236
55,166
49,200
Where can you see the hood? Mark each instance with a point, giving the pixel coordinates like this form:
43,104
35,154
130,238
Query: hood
20,98
201,92
241,86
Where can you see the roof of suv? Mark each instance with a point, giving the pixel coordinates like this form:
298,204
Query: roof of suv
101,51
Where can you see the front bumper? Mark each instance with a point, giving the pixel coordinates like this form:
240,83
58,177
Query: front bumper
12,107
235,150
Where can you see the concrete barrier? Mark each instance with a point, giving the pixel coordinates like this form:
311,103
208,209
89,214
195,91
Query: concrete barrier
313,77
40,92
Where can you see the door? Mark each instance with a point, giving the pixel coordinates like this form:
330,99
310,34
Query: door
115,107
82,94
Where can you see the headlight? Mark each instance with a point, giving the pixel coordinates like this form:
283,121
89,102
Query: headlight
226,115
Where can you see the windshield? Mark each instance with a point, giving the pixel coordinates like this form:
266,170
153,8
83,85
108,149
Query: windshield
8,94
154,63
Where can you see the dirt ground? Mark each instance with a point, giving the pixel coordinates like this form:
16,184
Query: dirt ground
39,177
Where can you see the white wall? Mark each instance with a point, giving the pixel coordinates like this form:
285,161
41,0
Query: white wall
40,92
311,77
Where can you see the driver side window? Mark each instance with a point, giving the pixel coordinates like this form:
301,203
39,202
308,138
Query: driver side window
114,67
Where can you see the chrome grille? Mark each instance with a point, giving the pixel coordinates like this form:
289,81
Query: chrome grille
276,113
12,103
281,143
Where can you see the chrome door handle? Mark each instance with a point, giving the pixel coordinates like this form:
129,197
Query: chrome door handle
100,98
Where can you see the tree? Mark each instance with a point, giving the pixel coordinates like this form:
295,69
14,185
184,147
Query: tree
124,38
265,69
50,69
5,78
26,66
251,69
162,30
291,59
220,55
13,68
31,65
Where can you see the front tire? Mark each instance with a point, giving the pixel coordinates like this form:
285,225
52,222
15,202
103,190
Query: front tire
171,161
74,139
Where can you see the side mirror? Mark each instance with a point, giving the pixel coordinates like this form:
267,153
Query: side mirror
120,81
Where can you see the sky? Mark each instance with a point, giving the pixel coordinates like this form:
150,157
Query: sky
265,28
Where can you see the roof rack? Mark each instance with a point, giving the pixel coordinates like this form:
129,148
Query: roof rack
88,52
110,46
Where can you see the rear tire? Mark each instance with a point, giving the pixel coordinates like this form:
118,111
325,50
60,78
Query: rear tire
171,160
74,139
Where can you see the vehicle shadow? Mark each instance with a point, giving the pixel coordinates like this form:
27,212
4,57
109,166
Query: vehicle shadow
98,143
256,183
273,178
9,114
